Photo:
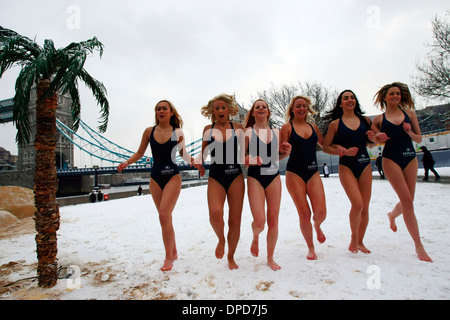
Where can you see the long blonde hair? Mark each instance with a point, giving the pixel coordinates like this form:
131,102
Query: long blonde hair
406,101
175,119
290,113
208,110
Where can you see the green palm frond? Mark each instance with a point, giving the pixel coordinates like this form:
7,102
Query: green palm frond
16,50
44,62
99,91
75,108
25,81
63,67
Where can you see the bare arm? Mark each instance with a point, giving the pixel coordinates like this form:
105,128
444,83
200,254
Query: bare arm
335,149
239,130
140,153
320,137
413,129
285,146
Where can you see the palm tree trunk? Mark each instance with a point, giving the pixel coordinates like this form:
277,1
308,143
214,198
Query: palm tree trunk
45,187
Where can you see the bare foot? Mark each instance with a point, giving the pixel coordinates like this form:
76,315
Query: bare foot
311,254
423,256
392,222
220,250
320,236
168,265
363,248
353,247
254,249
232,264
273,265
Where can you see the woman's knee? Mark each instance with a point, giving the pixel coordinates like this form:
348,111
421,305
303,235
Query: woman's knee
259,223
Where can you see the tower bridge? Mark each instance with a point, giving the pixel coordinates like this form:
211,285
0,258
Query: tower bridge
88,142
6,110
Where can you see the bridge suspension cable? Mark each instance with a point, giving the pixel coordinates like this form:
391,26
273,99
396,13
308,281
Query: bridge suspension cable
102,148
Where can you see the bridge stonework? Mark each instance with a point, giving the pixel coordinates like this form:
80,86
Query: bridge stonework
64,149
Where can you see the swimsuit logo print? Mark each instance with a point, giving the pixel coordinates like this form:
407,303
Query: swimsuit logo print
363,159
167,170
231,169
312,166
408,152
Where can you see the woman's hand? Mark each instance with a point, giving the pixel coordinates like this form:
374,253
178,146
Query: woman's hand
407,127
253,161
122,166
285,148
350,152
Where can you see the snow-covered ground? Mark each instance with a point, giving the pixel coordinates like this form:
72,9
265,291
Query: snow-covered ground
117,250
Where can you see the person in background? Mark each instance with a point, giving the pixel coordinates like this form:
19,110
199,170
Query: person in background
92,197
326,171
399,122
165,181
428,164
99,196
379,164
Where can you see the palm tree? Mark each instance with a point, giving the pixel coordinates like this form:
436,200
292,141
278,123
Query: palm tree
52,71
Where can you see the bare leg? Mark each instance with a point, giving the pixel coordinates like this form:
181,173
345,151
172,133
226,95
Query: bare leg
256,199
273,196
365,187
165,201
397,211
403,183
216,201
235,198
316,195
297,189
351,187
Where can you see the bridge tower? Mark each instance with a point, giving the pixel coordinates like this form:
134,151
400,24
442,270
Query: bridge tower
64,149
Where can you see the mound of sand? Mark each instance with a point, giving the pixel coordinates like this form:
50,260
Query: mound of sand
17,201
7,219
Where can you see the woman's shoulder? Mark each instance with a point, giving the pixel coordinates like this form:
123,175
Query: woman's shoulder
237,125
149,130
207,127
411,113
335,122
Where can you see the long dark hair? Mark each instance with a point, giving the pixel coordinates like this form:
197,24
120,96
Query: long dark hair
337,111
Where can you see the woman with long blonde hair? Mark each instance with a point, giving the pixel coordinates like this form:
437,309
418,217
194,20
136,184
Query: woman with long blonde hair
165,182
302,174
222,140
399,122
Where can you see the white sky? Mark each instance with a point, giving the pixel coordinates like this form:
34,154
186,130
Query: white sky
188,51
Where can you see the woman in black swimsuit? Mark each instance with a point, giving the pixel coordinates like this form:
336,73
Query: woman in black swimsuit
165,182
399,122
263,179
347,136
222,139
302,174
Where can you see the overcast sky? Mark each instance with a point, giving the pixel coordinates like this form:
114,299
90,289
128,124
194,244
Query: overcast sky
188,51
